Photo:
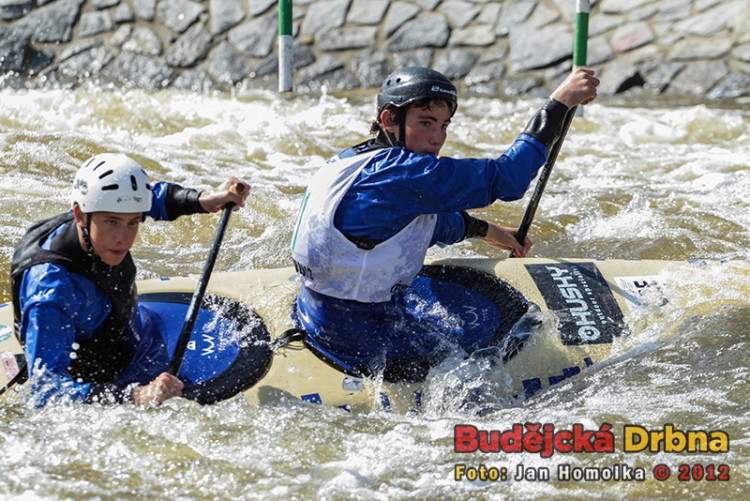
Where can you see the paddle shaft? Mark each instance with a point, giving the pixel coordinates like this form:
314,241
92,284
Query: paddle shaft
528,217
579,59
195,302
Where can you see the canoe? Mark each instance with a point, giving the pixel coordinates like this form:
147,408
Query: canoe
550,320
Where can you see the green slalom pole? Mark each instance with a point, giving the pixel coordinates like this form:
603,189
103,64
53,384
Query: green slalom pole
285,46
580,49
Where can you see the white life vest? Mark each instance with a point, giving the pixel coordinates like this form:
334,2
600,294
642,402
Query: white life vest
329,263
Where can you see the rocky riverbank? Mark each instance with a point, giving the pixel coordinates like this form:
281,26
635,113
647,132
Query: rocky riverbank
503,48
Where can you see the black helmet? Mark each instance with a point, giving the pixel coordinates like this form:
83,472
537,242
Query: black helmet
409,84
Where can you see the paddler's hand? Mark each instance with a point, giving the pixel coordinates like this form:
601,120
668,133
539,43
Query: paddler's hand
578,88
161,389
233,190
505,238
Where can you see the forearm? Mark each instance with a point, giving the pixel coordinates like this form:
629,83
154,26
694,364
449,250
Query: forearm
181,201
170,201
547,123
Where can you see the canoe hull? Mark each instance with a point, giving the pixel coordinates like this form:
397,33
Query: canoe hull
583,309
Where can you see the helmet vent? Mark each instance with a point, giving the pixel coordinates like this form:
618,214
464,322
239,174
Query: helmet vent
133,183
97,165
110,187
104,174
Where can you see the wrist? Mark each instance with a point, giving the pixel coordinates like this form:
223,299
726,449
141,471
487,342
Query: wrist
475,228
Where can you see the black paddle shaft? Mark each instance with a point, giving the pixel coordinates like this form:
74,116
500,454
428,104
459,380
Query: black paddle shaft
528,216
200,291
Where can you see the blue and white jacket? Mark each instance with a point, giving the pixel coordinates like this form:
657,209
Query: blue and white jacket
369,216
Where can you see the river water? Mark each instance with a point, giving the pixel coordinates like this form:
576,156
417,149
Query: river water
636,179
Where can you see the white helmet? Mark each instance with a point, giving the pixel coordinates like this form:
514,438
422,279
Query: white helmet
112,182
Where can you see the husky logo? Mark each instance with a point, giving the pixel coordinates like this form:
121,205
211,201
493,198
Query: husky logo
580,298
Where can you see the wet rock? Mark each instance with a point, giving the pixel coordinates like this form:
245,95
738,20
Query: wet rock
398,14
226,65
372,67
485,73
85,61
421,57
52,23
225,14
195,81
733,86
509,48
476,36
145,9
459,12
531,48
346,38
193,46
142,40
456,63
178,15
139,71
513,15
13,9
259,7
426,30
15,49
697,78
327,14
631,36
123,14
367,11
255,38
93,23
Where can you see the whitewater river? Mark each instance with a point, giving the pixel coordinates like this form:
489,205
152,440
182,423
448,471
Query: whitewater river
636,178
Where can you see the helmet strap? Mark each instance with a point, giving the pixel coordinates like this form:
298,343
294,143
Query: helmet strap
402,129
390,137
86,234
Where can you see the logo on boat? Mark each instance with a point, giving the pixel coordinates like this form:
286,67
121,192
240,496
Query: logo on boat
581,299
5,333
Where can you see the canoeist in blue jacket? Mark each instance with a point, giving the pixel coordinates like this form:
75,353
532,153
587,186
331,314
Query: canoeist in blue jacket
370,214
73,278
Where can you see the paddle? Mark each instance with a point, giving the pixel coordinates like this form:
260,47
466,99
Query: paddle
579,60
523,228
195,302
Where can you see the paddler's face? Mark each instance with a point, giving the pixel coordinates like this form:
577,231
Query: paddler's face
111,233
426,128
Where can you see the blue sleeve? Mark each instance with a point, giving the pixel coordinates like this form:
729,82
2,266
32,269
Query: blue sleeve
170,201
60,308
400,185
158,210
55,310
150,358
449,228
